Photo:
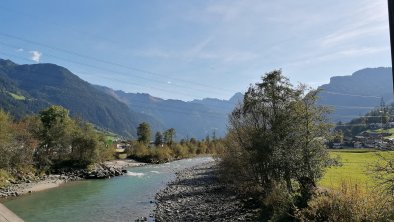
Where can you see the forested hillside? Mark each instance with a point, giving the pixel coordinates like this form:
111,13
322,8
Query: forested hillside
29,88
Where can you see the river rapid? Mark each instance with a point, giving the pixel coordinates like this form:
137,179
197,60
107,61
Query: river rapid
123,198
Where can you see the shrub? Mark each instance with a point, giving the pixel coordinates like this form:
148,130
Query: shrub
163,154
279,203
4,177
348,204
180,151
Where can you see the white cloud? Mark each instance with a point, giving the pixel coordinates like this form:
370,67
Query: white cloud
370,19
20,50
35,56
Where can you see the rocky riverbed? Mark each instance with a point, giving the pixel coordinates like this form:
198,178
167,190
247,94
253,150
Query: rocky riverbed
33,183
198,195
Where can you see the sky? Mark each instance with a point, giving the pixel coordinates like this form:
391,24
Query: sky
197,48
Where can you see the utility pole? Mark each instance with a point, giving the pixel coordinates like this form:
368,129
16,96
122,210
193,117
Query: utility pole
383,112
391,25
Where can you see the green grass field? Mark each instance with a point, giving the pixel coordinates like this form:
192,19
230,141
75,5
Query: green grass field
354,169
391,130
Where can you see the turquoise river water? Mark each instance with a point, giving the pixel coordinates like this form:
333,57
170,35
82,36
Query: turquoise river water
122,198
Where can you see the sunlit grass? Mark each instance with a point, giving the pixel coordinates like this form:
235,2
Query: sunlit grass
16,96
391,130
355,169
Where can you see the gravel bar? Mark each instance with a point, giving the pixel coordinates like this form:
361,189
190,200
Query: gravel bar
198,195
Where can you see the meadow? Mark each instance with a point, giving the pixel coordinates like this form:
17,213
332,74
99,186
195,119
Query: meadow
355,169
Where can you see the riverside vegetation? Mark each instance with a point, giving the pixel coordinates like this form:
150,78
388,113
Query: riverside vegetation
52,142
164,147
276,154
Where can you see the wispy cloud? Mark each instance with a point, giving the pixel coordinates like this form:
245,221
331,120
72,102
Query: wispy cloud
20,50
337,55
35,56
368,20
348,35
201,51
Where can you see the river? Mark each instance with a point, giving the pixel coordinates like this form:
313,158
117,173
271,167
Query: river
122,198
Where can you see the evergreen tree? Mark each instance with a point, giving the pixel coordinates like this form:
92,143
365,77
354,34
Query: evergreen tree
158,138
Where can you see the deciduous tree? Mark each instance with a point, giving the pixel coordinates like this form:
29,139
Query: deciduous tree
144,133
276,137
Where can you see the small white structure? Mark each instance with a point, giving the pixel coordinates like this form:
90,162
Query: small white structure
357,145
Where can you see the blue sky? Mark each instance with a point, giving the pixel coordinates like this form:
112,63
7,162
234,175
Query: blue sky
198,48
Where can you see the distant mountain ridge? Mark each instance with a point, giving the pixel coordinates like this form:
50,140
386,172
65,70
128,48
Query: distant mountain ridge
355,95
197,118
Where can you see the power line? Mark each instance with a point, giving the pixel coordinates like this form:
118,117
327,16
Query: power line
346,94
169,91
169,110
109,70
349,107
141,70
112,63
175,92
181,110
113,71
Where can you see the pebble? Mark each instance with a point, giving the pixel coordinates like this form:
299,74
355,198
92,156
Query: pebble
197,195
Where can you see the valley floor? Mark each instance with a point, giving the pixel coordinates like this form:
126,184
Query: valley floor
198,195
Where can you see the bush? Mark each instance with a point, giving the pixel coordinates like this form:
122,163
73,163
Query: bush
4,178
180,151
140,151
348,204
163,154
279,204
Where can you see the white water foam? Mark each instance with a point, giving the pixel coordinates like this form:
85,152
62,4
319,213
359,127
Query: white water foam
154,171
134,174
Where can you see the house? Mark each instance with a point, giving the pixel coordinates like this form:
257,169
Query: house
337,145
121,146
357,144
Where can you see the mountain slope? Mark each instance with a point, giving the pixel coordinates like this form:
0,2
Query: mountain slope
354,95
197,118
52,84
14,100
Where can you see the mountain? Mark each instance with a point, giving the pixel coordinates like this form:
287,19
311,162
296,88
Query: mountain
26,89
197,118
355,95
12,98
221,106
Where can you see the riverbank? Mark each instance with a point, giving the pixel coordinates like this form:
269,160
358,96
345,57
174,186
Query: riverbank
6,215
32,183
198,195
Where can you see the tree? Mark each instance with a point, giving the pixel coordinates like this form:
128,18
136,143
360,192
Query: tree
158,138
87,145
383,172
169,136
144,133
276,137
55,136
6,138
